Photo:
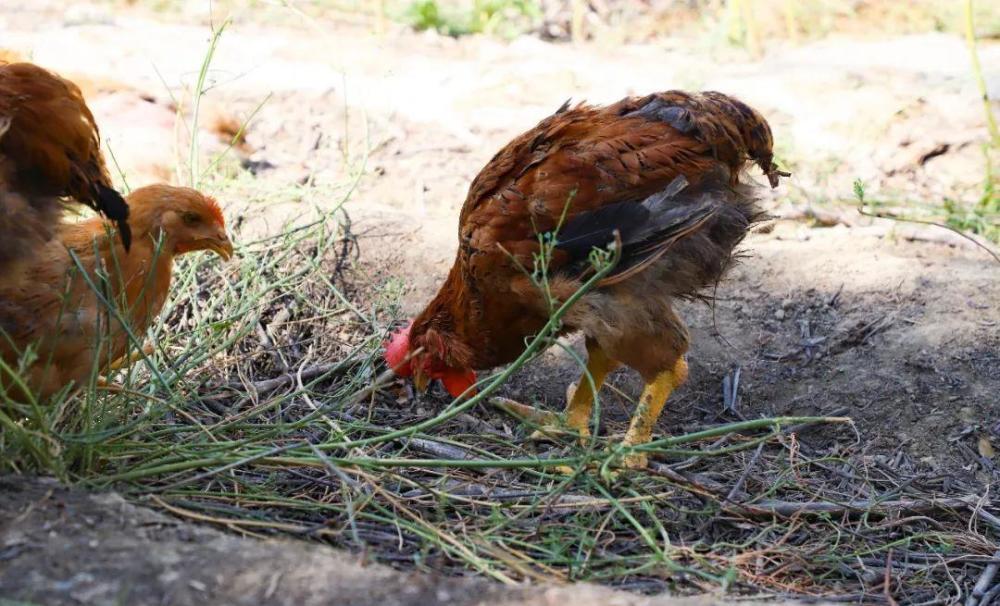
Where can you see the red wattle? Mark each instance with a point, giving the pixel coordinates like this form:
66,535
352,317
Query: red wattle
457,382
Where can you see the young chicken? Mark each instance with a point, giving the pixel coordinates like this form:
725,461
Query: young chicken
658,175
72,328
50,153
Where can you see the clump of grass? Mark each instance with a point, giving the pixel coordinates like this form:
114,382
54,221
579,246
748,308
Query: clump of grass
871,208
269,415
278,431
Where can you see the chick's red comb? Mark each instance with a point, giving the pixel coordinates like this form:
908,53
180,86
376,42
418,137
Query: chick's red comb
215,210
396,350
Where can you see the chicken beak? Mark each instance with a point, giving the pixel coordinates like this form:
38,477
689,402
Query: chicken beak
222,247
420,380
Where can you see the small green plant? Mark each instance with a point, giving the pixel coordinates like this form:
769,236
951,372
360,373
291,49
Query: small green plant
979,220
741,25
426,14
984,218
503,18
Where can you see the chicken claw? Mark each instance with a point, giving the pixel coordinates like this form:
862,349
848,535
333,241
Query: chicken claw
550,424
103,384
525,413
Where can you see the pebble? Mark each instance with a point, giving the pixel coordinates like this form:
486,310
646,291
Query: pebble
780,314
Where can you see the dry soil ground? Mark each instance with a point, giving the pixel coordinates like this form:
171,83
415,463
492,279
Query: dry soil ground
51,535
897,327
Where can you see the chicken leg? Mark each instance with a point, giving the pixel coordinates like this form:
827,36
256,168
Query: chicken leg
131,358
576,417
654,398
580,404
123,362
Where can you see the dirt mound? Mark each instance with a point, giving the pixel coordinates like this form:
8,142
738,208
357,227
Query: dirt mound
64,546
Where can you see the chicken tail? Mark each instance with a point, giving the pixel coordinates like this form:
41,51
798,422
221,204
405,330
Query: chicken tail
687,231
112,205
754,133
51,145
735,131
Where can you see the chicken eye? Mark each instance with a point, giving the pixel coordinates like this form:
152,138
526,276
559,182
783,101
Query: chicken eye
191,218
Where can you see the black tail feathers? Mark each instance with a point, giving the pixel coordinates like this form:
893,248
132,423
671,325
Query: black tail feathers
112,205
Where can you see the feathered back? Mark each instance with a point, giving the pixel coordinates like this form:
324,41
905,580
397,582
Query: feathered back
50,145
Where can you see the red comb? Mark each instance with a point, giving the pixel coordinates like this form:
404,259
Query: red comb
396,350
215,209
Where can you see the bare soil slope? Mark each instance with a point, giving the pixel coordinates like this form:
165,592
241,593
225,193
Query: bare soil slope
62,546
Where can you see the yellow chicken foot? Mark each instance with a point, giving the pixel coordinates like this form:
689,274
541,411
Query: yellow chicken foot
102,384
525,413
575,420
132,358
654,397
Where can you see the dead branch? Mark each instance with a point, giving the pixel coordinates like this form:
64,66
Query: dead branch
787,509
984,583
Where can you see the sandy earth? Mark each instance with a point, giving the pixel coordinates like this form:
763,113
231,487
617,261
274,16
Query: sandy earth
895,326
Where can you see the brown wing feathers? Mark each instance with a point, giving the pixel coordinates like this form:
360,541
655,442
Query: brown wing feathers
612,169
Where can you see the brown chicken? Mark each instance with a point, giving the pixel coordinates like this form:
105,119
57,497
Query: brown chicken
75,321
50,154
658,176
